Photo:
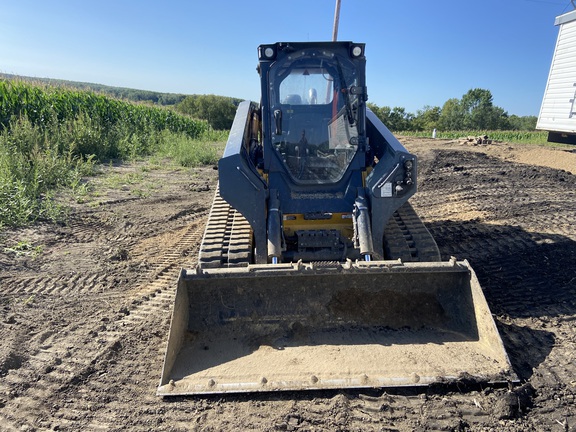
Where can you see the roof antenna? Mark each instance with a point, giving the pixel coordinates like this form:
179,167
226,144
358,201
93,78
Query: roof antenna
337,20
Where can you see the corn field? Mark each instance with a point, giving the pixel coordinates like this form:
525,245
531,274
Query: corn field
43,104
50,137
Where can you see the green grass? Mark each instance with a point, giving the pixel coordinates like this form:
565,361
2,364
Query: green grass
24,247
521,137
52,137
191,153
34,162
116,181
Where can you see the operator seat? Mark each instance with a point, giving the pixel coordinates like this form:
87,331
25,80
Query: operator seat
292,99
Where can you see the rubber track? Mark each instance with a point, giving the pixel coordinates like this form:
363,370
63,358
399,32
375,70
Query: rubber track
406,237
227,241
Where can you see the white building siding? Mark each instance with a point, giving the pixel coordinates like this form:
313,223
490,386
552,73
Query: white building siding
558,111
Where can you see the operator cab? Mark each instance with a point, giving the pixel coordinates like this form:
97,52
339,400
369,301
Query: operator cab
315,132
314,147
315,121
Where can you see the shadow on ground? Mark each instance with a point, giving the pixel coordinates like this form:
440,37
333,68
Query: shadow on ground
525,276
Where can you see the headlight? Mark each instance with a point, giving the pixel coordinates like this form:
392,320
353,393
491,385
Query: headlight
266,52
269,52
356,51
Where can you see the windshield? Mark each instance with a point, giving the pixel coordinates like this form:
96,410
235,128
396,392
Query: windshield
314,115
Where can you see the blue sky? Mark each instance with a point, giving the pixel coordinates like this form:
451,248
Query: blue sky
418,52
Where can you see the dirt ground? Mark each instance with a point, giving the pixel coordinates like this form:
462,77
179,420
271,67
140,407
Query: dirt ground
85,306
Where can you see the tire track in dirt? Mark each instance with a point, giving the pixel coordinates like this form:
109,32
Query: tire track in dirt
92,282
516,224
61,285
60,363
350,410
538,233
518,232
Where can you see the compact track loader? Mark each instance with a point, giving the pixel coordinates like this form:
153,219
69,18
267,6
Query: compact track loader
314,271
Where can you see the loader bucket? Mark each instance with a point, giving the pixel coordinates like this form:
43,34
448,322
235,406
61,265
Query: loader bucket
350,325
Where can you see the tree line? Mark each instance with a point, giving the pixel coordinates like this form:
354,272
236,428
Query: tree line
474,111
218,111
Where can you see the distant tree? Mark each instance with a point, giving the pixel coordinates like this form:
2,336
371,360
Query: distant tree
427,118
376,109
480,112
219,111
395,119
170,98
383,113
400,120
500,119
187,105
475,111
452,116
527,123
